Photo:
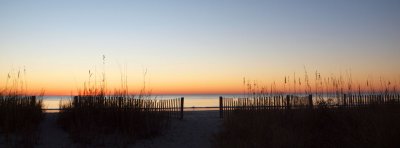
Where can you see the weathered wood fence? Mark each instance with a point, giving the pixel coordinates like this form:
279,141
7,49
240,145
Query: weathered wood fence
19,99
172,107
228,105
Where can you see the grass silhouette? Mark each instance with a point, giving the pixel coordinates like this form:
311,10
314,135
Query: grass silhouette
373,126
96,115
330,123
20,113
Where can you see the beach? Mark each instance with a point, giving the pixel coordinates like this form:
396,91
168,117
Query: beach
195,130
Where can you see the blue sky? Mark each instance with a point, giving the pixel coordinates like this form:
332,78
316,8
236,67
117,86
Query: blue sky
231,39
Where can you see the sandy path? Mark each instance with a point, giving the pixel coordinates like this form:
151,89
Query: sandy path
51,135
194,131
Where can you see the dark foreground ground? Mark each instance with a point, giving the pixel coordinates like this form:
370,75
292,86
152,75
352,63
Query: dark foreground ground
372,126
195,131
377,126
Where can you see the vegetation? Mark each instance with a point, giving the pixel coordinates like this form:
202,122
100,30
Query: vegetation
373,126
20,114
95,115
368,118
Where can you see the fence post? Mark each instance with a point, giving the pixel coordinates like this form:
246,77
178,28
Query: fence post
398,98
33,100
288,101
310,101
182,99
344,100
119,102
75,101
221,109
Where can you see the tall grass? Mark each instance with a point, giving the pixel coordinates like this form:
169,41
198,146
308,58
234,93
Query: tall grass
375,124
88,118
97,116
322,87
20,113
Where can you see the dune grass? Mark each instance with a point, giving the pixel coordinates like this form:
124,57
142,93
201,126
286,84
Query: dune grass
372,126
20,114
97,117
20,117
89,119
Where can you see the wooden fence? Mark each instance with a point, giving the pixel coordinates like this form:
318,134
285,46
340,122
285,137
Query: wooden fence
228,105
173,107
18,100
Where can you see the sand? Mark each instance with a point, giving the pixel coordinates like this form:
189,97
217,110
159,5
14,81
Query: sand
194,131
52,135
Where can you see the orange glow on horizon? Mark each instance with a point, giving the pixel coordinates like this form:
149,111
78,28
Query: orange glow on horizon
232,89
170,83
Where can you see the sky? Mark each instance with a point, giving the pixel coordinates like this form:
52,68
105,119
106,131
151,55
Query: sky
196,46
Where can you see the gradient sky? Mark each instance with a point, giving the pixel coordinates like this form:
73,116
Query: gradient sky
198,46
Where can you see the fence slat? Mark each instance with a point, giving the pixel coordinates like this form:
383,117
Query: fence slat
221,111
